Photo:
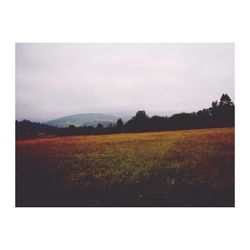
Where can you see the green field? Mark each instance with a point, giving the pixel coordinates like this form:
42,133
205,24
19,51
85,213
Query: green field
175,168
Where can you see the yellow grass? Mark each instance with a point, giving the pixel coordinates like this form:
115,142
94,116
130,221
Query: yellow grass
157,163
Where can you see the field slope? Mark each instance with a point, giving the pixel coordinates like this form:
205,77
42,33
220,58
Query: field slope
175,168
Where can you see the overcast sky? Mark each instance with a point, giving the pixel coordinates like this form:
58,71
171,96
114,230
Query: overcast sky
55,80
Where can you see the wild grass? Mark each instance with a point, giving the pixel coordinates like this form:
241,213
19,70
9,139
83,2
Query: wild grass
177,168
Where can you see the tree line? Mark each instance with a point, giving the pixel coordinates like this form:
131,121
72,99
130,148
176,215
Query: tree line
220,114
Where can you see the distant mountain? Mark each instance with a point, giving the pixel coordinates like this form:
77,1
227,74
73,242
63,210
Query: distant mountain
90,119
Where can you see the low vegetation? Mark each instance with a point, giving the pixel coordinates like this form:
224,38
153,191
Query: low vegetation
174,168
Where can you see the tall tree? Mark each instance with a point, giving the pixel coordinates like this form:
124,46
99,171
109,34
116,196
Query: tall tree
225,100
120,126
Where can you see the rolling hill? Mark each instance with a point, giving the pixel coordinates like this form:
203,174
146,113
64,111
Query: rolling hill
89,119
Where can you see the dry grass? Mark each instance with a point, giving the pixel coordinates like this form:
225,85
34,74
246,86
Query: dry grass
177,168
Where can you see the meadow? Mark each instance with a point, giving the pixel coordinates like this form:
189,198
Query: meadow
171,168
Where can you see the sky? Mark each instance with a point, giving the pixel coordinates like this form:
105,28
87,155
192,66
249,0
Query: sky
56,79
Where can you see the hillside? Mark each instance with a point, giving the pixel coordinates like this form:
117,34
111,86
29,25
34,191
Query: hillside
90,119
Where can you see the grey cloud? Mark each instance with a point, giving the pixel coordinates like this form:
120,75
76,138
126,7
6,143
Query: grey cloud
54,80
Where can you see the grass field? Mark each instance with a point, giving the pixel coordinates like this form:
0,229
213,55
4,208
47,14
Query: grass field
176,168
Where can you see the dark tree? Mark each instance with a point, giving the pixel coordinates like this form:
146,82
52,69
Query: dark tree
99,128
26,129
225,100
141,116
158,123
181,121
138,123
119,126
215,104
220,114
203,119
226,111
